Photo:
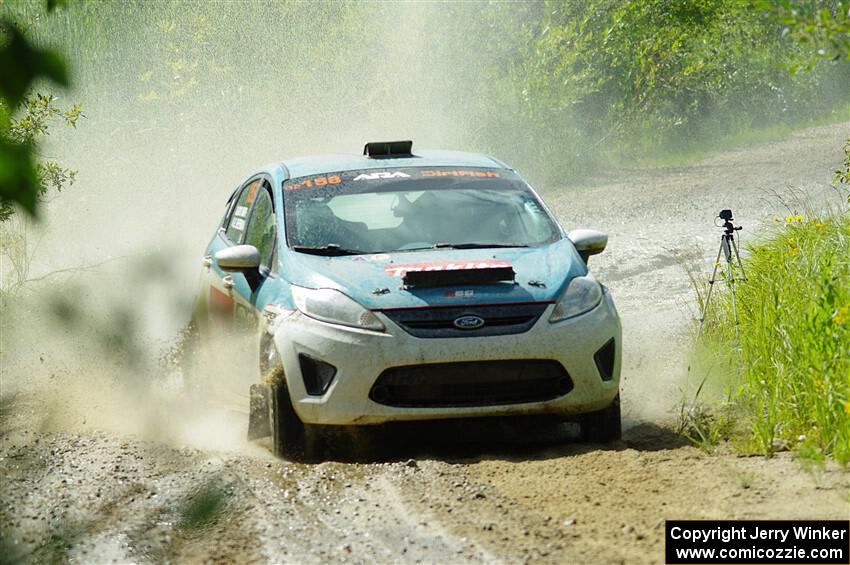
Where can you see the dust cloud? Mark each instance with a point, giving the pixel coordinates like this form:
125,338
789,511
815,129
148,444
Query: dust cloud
181,102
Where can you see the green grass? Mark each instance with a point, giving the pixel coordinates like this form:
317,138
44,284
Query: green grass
702,147
788,375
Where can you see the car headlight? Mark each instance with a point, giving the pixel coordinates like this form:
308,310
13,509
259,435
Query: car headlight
582,294
332,306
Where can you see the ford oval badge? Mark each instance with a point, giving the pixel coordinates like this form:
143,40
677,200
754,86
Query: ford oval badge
468,322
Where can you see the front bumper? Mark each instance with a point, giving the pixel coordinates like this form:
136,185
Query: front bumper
361,356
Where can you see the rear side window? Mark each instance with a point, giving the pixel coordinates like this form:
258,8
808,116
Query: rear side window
239,218
261,227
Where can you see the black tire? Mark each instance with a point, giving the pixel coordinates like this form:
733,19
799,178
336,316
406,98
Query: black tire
291,439
604,425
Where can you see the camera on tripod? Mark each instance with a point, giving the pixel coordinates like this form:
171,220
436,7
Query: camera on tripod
728,249
726,216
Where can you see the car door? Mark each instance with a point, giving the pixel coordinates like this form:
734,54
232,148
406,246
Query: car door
233,297
228,300
261,233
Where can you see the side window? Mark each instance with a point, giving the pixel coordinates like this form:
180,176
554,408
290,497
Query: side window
228,210
236,226
261,228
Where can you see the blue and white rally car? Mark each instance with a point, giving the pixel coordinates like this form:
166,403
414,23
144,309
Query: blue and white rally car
399,286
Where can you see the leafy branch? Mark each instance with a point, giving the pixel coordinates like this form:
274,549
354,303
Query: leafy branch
26,131
21,64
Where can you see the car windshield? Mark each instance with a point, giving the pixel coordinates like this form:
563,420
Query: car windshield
413,208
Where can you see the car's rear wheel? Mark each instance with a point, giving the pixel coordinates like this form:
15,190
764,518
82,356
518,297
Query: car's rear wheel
603,425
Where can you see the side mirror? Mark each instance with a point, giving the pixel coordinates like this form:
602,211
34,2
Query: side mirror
239,258
588,242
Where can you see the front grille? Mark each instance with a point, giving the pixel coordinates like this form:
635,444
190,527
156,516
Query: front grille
500,319
472,383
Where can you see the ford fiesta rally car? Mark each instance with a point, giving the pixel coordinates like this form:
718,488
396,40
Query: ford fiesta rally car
396,286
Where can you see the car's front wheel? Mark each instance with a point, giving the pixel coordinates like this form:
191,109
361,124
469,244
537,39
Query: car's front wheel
291,439
272,412
603,425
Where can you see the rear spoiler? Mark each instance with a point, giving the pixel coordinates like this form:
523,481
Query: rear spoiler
430,279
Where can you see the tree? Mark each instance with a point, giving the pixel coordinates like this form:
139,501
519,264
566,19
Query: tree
21,64
26,180
826,30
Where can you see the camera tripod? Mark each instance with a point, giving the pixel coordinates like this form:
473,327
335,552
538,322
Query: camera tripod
727,247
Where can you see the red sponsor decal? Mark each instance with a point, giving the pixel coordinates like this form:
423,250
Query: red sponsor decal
220,303
485,174
400,270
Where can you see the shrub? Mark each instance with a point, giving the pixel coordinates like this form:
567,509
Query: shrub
793,357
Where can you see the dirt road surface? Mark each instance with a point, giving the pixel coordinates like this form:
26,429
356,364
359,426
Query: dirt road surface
130,476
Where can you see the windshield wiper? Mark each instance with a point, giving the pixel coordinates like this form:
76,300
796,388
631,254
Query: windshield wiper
475,245
330,250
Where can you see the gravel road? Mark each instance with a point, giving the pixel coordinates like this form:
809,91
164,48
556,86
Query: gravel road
137,474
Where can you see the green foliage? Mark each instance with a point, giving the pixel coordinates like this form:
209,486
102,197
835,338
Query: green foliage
38,110
21,64
708,425
793,360
607,79
557,88
53,4
842,175
47,177
21,139
18,178
824,27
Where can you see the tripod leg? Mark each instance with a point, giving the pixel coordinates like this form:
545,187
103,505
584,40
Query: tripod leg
711,285
740,263
731,283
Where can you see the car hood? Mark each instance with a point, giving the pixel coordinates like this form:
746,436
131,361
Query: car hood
376,282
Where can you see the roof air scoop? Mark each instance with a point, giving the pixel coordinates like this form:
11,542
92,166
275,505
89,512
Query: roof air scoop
388,149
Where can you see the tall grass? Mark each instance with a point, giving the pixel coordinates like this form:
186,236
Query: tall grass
790,384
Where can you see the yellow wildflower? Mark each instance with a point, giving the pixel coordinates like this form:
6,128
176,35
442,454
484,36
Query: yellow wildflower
819,225
847,407
794,251
789,218
841,315
799,218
